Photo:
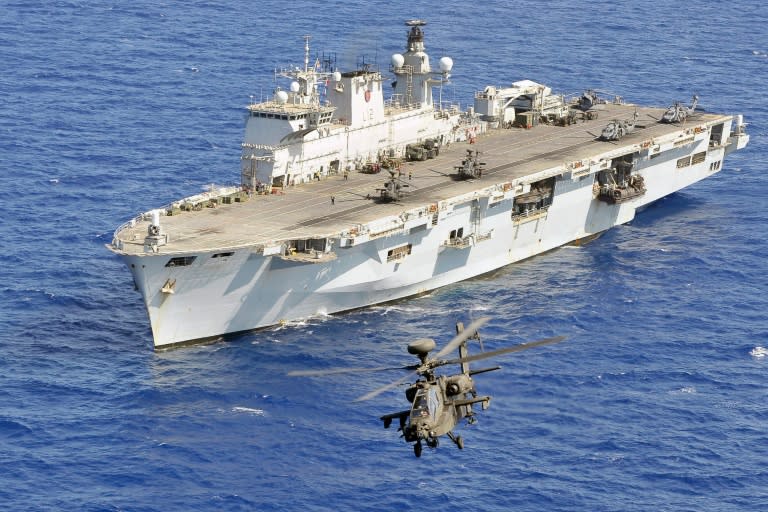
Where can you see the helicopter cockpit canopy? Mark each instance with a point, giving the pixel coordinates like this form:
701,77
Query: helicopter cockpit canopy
424,404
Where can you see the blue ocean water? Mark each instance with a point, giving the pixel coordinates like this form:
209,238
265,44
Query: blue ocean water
657,400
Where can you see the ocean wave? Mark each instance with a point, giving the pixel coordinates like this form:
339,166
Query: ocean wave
248,410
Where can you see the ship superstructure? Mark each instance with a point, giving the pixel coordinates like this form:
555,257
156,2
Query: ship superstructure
350,199
330,122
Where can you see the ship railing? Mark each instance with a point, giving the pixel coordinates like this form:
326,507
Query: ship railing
481,236
116,242
716,144
266,147
398,104
396,101
448,107
460,243
214,192
530,214
469,240
311,256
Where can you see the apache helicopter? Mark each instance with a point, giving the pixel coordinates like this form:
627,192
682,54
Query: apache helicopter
470,167
393,188
618,128
678,112
438,402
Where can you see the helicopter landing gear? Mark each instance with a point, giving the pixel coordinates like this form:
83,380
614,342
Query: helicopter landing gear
486,403
417,449
433,442
456,439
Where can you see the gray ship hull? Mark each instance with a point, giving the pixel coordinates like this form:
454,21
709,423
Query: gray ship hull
243,288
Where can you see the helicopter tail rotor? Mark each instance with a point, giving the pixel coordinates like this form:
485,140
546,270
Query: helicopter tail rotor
463,336
463,350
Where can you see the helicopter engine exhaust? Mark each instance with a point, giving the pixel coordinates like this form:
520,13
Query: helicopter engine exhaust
457,384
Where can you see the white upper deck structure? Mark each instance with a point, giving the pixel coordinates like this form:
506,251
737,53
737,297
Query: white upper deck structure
328,122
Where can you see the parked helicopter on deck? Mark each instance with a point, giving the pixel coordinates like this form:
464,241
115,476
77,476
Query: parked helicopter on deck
618,128
394,188
438,403
678,113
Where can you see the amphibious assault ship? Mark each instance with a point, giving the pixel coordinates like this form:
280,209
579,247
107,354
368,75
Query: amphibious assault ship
349,199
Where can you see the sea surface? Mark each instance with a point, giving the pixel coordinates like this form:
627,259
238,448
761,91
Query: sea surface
657,400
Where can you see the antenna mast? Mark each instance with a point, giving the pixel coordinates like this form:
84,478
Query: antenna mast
306,53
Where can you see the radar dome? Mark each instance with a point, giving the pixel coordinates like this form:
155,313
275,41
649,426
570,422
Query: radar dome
281,97
421,346
336,76
294,87
446,64
398,60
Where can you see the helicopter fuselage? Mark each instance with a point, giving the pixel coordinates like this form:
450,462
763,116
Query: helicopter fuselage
437,406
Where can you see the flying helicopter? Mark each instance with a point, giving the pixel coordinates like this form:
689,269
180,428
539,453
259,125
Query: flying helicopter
438,403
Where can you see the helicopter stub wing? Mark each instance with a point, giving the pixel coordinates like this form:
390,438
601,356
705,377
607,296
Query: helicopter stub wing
402,416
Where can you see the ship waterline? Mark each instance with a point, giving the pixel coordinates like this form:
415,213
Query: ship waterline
315,230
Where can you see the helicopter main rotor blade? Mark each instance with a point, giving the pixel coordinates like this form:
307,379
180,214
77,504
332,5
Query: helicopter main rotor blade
463,336
377,392
501,351
335,371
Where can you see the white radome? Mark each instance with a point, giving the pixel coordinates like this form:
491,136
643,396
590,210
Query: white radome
281,97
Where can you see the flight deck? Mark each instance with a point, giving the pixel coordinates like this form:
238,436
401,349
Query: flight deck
336,203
